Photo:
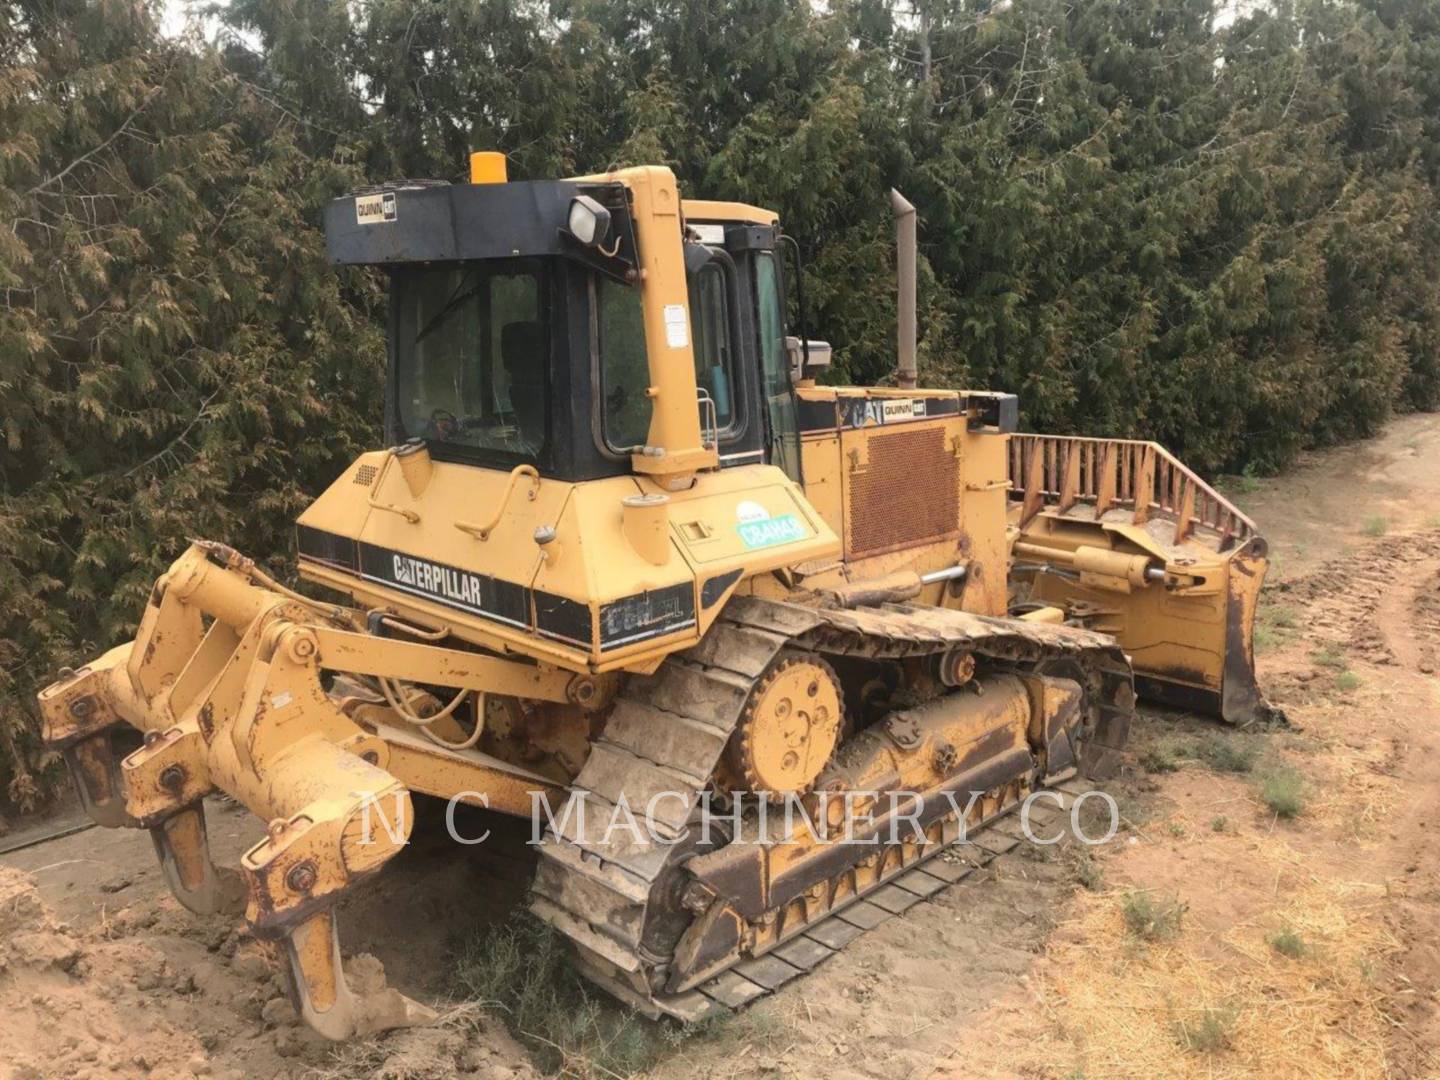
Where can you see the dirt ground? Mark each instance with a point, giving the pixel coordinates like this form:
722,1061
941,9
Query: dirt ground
1299,946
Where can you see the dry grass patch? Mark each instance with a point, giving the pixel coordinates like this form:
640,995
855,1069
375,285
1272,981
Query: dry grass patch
1348,788
1173,1009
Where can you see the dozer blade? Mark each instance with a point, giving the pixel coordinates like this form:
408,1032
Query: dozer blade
223,679
1121,537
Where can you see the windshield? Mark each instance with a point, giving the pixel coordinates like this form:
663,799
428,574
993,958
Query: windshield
472,356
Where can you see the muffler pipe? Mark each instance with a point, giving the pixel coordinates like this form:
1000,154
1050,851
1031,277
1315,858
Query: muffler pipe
905,246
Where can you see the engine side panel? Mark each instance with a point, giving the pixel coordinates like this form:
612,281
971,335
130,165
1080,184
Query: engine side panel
911,480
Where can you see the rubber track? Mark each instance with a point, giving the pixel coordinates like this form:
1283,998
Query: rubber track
667,732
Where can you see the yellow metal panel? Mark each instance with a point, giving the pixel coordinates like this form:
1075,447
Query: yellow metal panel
982,521
456,494
710,521
820,463
593,562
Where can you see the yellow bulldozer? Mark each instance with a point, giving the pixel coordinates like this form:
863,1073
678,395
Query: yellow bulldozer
627,554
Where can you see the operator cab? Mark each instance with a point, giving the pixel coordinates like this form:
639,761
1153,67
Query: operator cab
517,331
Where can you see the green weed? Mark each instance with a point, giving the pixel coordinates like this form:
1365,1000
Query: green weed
1087,870
1152,919
1376,526
1330,656
1226,753
1287,943
1283,617
1283,791
1135,812
523,971
1210,1033
1161,757
1347,681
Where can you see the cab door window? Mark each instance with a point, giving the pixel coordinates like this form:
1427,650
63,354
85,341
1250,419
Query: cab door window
714,346
781,410
624,369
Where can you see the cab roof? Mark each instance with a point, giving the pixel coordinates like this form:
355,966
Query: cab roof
710,210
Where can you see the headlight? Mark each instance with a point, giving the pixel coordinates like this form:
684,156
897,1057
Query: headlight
589,221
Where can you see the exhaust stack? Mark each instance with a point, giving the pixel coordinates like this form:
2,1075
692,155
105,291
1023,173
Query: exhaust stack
905,373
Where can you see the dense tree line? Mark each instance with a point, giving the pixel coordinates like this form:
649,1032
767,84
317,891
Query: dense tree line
1226,237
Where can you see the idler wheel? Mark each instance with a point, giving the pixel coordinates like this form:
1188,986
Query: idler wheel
790,728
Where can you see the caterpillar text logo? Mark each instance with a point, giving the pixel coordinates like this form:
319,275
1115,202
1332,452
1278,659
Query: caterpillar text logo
439,581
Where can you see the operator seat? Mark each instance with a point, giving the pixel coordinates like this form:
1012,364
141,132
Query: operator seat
522,351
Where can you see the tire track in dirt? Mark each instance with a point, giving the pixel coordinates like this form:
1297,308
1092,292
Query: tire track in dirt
1379,605
1376,610
1351,602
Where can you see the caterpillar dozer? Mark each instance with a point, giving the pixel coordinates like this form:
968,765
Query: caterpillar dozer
626,551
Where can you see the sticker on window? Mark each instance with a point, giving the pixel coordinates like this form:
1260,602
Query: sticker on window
375,209
677,331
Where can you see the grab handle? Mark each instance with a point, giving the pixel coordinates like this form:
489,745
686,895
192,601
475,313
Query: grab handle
409,515
482,532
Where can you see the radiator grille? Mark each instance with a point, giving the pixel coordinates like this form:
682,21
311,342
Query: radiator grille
365,475
908,494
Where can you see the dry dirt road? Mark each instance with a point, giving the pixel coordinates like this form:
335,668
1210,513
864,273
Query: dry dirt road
1215,937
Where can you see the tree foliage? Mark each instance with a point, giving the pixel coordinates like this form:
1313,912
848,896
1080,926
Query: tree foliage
176,358
1223,237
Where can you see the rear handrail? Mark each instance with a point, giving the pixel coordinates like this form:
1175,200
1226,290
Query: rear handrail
1060,471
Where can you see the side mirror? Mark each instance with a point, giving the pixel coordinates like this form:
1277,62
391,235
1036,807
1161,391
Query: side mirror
820,355
697,257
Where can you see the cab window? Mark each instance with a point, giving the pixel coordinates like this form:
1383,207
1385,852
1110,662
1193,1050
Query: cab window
781,410
715,367
624,372
472,357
